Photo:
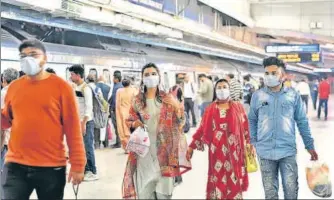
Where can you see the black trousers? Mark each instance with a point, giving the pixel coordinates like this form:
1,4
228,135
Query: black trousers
19,181
305,100
97,141
114,122
189,106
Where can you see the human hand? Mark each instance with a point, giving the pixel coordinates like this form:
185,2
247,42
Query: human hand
83,128
137,124
190,152
314,155
169,99
75,177
251,149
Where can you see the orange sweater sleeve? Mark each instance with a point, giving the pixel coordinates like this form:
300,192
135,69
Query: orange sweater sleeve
72,129
6,115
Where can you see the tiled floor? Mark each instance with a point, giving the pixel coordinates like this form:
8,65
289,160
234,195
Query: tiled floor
111,163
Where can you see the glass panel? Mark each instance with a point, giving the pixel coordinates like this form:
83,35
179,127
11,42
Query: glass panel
166,82
169,6
68,74
192,10
106,76
93,71
208,16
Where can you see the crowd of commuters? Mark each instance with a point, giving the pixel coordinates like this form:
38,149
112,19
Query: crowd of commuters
234,116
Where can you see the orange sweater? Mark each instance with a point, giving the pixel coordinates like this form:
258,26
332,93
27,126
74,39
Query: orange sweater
40,113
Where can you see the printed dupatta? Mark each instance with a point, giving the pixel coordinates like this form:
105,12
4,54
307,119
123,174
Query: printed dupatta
168,142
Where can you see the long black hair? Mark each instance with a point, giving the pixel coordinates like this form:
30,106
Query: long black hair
144,88
179,93
214,90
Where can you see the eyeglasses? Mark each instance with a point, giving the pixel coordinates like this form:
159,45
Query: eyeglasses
35,55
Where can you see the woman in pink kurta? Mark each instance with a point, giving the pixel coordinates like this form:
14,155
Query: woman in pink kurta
123,103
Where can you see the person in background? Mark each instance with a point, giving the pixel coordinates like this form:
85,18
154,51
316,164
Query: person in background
1,80
324,91
274,111
261,80
124,98
91,81
40,108
50,70
248,91
151,176
205,92
117,85
8,76
287,83
101,137
210,78
224,129
22,73
314,92
293,84
85,99
189,98
177,92
304,90
235,87
105,88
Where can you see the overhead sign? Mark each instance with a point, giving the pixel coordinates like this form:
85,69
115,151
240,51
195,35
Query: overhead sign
299,57
289,48
155,4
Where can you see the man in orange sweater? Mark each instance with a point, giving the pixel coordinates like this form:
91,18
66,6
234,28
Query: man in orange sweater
40,108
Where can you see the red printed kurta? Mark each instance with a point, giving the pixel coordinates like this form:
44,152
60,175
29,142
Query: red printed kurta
225,132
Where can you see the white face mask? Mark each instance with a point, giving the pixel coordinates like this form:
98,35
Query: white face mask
151,81
222,94
30,66
271,80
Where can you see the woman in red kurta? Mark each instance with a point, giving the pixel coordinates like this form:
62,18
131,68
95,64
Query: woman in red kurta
224,129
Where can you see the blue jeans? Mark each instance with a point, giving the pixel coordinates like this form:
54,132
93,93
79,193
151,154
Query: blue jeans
89,147
289,171
203,107
314,96
3,154
325,102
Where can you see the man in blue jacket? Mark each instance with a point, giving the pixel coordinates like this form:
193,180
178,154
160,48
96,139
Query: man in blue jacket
117,85
274,110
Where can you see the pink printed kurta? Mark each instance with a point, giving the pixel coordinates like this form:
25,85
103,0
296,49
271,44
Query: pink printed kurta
225,132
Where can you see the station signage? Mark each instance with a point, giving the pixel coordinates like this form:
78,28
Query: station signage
155,4
307,57
292,48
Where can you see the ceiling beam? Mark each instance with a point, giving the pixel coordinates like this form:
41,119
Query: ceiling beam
284,1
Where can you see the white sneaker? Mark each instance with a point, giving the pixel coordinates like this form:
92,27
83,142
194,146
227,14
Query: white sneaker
89,176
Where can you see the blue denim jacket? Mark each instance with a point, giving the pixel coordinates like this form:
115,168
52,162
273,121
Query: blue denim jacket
272,119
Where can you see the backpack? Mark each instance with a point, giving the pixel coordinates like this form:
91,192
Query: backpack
100,108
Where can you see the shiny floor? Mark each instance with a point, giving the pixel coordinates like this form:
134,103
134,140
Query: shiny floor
111,163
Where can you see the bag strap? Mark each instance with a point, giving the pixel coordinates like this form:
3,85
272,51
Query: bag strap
76,191
83,89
